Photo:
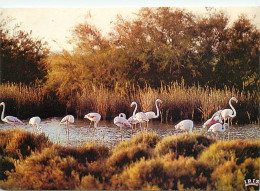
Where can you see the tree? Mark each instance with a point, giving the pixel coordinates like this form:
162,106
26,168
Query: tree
238,62
22,57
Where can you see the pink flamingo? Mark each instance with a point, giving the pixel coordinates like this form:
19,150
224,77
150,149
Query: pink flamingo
35,122
133,122
151,114
67,120
93,117
218,128
216,117
140,116
121,121
13,121
228,114
185,125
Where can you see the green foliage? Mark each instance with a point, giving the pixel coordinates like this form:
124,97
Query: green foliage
183,145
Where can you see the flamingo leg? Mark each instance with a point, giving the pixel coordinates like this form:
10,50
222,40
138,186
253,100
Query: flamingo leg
121,133
228,129
89,126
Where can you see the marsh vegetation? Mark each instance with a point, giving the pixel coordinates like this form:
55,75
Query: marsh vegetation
186,161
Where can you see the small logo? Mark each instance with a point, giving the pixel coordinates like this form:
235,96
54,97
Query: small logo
251,182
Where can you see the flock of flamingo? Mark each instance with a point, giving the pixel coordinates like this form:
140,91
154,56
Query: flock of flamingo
216,124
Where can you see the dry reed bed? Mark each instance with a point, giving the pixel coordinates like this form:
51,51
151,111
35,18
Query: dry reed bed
179,101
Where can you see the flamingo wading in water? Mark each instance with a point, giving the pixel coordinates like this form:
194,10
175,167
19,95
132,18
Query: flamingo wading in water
121,121
228,114
67,120
151,114
217,128
216,117
140,116
13,121
185,125
93,117
35,123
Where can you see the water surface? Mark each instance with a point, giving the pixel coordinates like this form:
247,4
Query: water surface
109,134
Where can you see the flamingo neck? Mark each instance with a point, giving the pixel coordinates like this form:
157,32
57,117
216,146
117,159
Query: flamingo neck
2,116
234,111
135,110
157,109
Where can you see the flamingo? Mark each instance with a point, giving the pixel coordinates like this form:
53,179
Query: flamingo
151,114
140,116
185,125
121,121
67,120
93,117
228,114
13,121
133,122
216,117
218,128
35,122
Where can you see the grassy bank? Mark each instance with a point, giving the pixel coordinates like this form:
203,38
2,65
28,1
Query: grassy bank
179,102
184,161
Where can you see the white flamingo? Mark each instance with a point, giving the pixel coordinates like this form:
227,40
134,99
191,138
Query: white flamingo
133,122
217,128
151,114
35,123
228,114
216,117
93,117
140,116
121,121
185,125
13,121
67,120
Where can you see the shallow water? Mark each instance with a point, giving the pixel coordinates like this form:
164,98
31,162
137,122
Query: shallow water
109,134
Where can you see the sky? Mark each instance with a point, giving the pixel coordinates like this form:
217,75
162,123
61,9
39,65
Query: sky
53,22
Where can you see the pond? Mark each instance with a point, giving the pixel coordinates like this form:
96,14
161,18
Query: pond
109,134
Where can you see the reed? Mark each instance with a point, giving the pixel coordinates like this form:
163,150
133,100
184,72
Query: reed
179,101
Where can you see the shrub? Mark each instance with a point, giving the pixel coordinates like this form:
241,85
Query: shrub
20,144
185,145
149,139
163,174
237,150
6,164
230,176
128,155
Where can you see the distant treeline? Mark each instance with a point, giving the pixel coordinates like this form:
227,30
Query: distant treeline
156,48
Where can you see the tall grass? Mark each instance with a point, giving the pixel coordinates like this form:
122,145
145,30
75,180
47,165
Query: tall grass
26,101
179,101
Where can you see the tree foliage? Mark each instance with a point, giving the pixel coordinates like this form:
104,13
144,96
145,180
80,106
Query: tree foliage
161,45
22,56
